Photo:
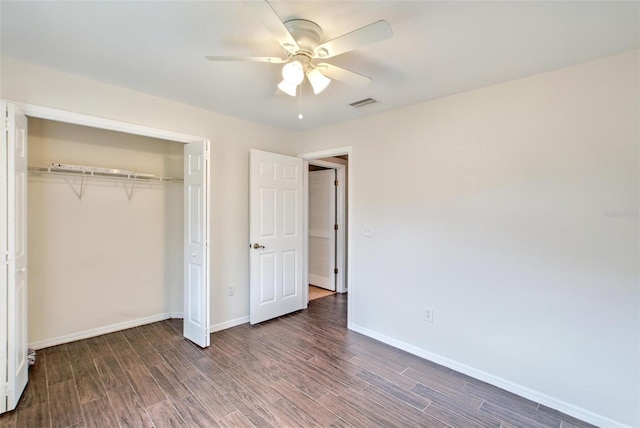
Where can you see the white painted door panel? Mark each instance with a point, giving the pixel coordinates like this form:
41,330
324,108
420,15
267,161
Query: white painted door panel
4,254
14,250
276,235
196,247
322,234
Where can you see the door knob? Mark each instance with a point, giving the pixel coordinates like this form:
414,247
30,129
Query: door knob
22,270
257,246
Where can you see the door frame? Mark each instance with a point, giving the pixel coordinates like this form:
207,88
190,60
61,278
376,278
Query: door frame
344,282
48,113
341,283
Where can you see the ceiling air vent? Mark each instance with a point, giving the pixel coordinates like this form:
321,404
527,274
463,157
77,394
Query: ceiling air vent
364,102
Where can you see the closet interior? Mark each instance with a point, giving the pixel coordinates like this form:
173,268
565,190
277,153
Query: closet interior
105,230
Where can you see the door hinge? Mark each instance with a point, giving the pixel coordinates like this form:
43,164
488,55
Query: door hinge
335,182
5,258
335,271
335,227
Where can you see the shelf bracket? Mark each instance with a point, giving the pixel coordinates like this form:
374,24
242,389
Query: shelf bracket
69,173
80,192
133,186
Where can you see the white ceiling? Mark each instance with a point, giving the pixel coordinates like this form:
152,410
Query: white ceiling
439,48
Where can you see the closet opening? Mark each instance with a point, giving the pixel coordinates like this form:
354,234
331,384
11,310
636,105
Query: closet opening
105,231
97,233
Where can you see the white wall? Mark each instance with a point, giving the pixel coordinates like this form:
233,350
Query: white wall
231,140
493,207
104,259
512,211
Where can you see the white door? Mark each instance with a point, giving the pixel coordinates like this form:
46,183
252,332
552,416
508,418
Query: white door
276,236
4,253
322,229
196,245
13,273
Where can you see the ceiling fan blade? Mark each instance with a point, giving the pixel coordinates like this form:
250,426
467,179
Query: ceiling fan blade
271,59
345,76
369,34
270,19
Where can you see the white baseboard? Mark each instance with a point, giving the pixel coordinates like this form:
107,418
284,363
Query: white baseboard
228,324
538,397
220,326
97,331
320,281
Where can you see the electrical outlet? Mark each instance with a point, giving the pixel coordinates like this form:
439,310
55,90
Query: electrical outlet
428,314
367,230
232,290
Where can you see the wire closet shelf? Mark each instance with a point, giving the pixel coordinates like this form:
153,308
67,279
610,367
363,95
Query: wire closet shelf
67,171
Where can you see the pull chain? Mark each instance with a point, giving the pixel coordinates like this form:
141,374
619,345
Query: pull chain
300,116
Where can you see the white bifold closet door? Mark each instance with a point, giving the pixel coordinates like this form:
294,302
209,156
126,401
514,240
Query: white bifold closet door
322,232
13,261
196,247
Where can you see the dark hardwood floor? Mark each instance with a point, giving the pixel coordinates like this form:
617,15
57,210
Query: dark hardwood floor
304,369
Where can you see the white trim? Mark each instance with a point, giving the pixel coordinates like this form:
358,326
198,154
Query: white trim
533,395
102,123
113,125
341,282
220,326
305,234
228,324
326,164
338,151
341,212
99,331
319,280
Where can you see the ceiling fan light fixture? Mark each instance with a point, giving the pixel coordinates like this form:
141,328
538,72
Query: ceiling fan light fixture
319,82
322,53
293,73
288,88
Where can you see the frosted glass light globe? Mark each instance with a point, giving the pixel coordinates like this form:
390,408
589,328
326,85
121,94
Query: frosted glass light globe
293,73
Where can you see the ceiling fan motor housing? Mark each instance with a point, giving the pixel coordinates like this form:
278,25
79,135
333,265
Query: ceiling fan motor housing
307,35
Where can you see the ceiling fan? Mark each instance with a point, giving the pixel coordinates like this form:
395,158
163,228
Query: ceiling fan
301,40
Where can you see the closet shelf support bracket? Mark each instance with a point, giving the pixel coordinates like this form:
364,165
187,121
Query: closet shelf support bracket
133,186
69,173
79,192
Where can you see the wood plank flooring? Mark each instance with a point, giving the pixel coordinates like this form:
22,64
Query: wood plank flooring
304,369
